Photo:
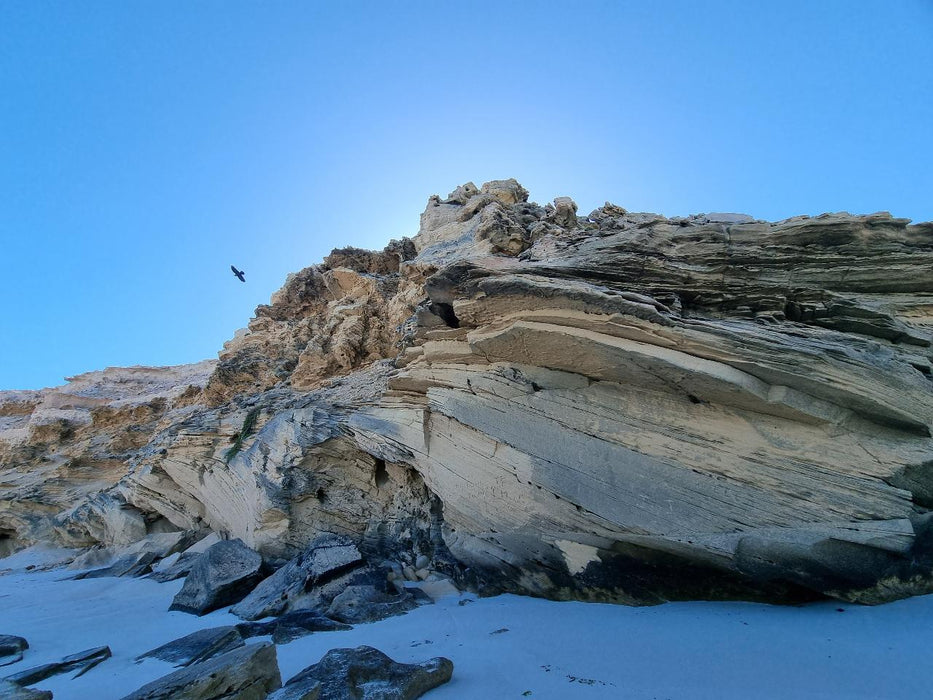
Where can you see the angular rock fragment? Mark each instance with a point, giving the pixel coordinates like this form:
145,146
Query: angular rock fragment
83,662
365,673
325,559
438,588
248,673
131,565
359,604
197,646
291,626
10,659
12,691
221,576
11,649
123,561
565,212
180,568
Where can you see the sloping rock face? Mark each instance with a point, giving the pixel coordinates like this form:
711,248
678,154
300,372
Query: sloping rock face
746,396
616,406
62,448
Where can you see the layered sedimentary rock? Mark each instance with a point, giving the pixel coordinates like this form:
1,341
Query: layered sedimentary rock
614,406
62,449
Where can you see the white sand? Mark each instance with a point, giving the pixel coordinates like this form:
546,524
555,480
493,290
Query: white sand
554,650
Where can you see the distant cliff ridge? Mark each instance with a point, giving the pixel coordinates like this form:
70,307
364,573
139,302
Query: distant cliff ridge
616,406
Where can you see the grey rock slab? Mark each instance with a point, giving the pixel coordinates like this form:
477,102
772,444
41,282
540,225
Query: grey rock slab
221,576
11,691
729,218
248,673
11,649
83,661
291,626
10,644
358,604
180,568
365,673
131,565
326,557
197,646
10,659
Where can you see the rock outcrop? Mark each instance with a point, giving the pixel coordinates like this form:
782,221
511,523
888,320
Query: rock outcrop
62,448
617,406
297,584
221,576
365,673
250,672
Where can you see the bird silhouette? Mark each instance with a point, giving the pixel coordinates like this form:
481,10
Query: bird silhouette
238,273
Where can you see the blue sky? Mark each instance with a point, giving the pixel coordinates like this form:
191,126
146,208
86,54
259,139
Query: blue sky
146,146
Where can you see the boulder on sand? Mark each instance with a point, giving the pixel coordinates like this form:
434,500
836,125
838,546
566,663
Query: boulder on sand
221,576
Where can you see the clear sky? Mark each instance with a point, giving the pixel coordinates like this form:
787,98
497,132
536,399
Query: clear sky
146,146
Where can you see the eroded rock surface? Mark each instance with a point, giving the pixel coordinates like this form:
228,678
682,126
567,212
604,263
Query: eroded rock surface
327,557
221,576
81,663
11,649
12,691
612,406
365,673
357,604
198,646
61,449
247,673
291,626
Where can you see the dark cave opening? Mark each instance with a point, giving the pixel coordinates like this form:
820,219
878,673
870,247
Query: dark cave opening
446,313
380,474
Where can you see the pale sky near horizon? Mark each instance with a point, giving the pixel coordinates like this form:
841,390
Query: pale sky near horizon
147,146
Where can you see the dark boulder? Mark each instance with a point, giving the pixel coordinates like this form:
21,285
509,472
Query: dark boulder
303,581
83,662
358,604
11,691
221,576
247,673
365,673
11,649
197,646
179,569
291,626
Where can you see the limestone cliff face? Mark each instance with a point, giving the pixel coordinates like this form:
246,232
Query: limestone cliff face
613,406
62,449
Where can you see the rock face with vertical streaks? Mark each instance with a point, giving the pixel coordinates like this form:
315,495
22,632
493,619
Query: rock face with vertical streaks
618,406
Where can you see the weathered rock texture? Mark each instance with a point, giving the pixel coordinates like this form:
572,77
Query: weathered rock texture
365,673
221,576
615,406
61,449
12,691
248,673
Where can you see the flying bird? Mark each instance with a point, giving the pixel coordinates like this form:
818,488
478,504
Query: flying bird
238,273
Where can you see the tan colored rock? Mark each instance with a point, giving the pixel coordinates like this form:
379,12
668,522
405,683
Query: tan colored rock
248,673
565,212
61,447
542,402
506,191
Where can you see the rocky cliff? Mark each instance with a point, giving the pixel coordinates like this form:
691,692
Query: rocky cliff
617,406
